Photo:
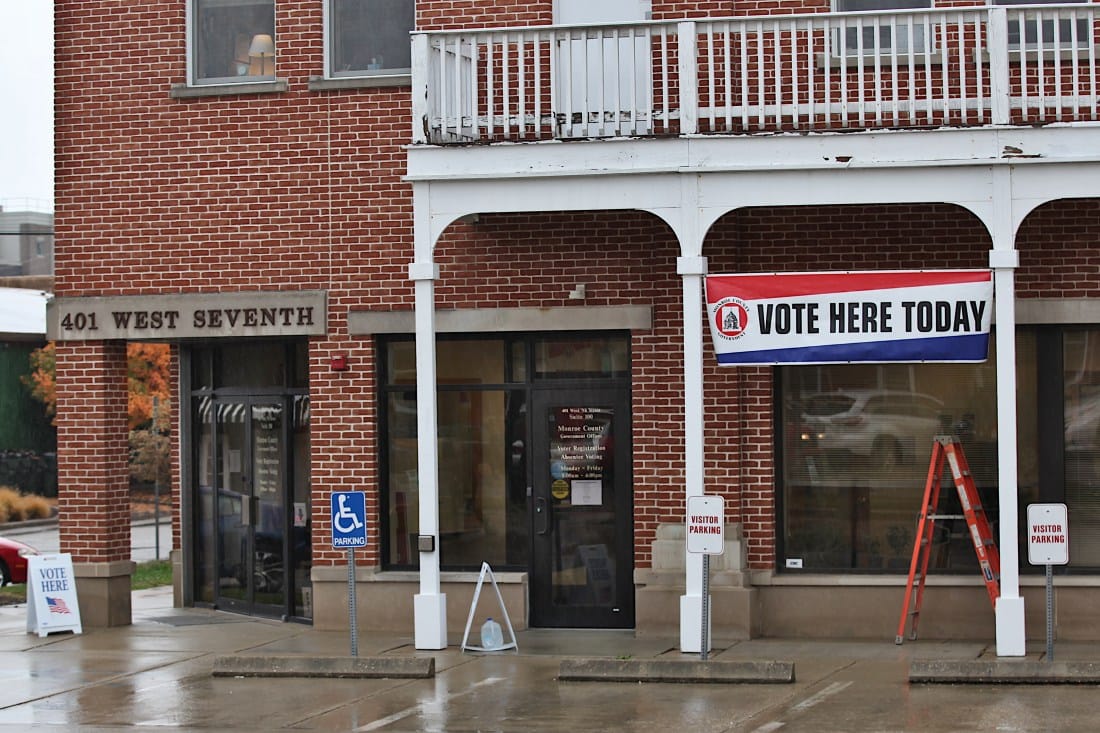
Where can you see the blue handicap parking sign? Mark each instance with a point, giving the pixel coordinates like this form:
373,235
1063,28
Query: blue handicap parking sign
349,519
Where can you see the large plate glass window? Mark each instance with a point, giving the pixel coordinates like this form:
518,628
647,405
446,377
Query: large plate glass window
369,37
856,442
1081,439
232,41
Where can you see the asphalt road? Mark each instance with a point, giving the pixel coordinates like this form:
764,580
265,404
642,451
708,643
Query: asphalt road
143,538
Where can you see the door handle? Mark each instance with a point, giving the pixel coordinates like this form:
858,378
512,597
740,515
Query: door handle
542,517
250,506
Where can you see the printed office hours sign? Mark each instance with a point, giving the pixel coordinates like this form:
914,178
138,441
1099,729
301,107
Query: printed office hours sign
706,521
1047,534
349,519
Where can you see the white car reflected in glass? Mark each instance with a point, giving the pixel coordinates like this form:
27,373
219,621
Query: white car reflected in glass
878,428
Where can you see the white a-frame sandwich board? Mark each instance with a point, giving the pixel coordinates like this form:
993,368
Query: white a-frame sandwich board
486,570
51,595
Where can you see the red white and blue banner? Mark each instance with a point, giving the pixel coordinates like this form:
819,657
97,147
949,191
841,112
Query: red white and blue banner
841,317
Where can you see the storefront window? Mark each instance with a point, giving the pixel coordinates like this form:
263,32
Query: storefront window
1081,385
474,505
559,358
856,443
484,389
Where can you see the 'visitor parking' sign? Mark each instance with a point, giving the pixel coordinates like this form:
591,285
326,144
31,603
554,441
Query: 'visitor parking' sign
706,521
1047,534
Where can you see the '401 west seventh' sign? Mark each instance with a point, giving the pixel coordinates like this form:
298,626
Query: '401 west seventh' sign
839,317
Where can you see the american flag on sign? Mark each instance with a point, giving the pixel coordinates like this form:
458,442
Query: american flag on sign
57,605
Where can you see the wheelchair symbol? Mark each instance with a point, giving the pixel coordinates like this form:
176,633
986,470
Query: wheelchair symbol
345,513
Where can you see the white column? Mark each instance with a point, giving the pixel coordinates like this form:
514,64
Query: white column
693,270
1004,259
430,605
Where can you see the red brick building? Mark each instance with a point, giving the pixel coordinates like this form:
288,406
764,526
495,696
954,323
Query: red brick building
511,218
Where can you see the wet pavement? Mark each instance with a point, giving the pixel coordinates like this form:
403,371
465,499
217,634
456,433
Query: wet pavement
157,673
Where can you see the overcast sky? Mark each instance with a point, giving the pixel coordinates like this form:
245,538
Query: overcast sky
26,119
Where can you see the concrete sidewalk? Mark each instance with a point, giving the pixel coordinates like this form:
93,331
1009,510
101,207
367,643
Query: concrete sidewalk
158,672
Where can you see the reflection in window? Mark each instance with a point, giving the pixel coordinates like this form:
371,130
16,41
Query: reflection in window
206,573
369,37
233,40
301,538
458,361
582,357
482,498
1081,364
856,443
484,386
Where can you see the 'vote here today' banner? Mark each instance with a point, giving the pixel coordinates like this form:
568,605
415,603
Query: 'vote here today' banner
840,317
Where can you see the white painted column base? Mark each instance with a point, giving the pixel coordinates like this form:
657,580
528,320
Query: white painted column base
1011,639
430,618
691,625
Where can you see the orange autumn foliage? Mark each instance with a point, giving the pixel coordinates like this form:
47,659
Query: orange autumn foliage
147,371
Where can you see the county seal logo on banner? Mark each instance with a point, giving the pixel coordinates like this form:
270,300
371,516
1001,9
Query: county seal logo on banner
842,317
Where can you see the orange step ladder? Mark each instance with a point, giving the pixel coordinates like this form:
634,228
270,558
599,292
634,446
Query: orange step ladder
947,448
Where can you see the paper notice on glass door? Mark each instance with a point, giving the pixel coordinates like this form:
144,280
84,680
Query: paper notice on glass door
587,493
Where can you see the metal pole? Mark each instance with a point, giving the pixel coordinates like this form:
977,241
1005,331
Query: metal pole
704,632
156,480
1050,613
353,623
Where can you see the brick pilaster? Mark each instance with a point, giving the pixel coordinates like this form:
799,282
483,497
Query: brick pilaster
93,450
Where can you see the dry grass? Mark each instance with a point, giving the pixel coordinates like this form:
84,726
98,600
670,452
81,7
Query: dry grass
17,507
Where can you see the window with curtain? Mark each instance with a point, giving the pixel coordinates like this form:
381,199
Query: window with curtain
232,41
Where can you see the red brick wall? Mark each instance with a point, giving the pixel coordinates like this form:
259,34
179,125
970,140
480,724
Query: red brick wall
303,190
297,190
449,14
93,451
1059,247
174,483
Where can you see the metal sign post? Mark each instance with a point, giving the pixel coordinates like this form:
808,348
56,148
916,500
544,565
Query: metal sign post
349,530
706,526
1048,544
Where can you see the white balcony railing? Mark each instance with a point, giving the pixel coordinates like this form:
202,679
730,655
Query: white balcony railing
824,71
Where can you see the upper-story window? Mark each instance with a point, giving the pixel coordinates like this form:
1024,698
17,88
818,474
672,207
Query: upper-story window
1037,26
232,41
369,37
878,33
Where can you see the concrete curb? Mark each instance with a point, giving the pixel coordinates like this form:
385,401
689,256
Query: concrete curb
674,670
301,666
1007,672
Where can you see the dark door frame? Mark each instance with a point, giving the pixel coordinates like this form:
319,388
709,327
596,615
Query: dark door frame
255,571
553,513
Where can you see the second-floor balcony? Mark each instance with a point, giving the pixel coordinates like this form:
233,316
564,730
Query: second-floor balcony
916,69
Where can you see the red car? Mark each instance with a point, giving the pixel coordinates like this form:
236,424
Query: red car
13,561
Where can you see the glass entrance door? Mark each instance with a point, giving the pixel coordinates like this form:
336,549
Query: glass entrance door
251,505
582,559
